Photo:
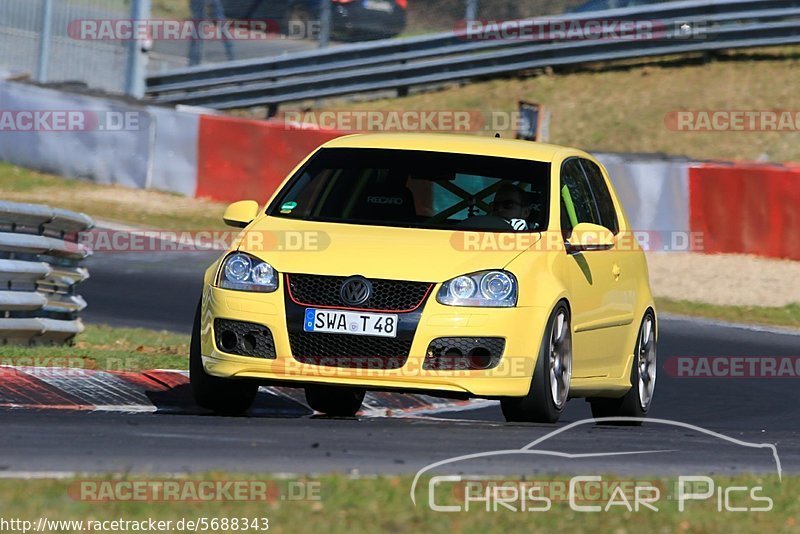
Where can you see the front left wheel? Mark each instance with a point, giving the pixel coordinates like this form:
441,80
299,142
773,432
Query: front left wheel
549,389
636,402
224,396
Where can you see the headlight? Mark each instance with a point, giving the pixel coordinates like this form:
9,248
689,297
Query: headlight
247,273
462,287
495,289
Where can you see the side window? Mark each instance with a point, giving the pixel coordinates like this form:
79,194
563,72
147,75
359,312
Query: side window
577,201
608,214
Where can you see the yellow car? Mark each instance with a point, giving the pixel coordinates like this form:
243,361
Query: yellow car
443,264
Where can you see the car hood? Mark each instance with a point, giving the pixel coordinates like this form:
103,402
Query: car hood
296,246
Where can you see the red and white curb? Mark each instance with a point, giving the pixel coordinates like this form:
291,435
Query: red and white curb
52,388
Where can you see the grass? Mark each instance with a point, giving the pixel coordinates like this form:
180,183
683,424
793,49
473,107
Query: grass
623,109
788,315
144,209
175,9
382,504
107,348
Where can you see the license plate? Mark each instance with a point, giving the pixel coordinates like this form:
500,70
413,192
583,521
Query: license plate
379,5
350,322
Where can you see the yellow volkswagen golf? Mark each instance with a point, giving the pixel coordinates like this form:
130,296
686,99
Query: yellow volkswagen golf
450,265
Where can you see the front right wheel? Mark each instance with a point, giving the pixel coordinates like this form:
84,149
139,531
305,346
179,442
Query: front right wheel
224,396
549,389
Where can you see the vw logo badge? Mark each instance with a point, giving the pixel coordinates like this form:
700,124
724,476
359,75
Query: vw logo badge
355,290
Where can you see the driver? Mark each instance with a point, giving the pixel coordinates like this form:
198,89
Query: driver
509,203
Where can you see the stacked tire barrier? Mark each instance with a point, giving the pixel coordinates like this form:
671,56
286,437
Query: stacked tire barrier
40,268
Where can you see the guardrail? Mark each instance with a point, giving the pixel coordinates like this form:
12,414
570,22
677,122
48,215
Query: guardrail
40,267
398,64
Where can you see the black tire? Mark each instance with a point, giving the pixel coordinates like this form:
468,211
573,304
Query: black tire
630,405
224,396
539,406
334,400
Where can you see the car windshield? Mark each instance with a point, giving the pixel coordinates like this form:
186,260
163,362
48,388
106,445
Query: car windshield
418,189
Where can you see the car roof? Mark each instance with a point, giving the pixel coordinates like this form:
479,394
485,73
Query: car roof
458,144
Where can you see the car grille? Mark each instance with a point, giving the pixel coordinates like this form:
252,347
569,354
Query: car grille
345,350
387,295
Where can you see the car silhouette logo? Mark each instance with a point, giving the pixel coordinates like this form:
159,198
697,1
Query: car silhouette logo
533,448
355,290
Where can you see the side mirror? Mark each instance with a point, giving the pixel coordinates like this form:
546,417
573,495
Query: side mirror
240,214
588,236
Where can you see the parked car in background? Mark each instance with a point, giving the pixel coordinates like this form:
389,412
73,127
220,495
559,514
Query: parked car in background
352,20
600,5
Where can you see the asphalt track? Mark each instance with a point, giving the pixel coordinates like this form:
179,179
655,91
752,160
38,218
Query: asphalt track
160,291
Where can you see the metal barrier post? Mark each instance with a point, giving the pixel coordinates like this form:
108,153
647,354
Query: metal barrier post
135,69
325,23
472,10
44,41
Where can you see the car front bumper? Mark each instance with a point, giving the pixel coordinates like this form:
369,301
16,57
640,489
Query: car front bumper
521,327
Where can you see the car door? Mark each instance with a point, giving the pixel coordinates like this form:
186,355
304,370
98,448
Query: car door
591,276
620,299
